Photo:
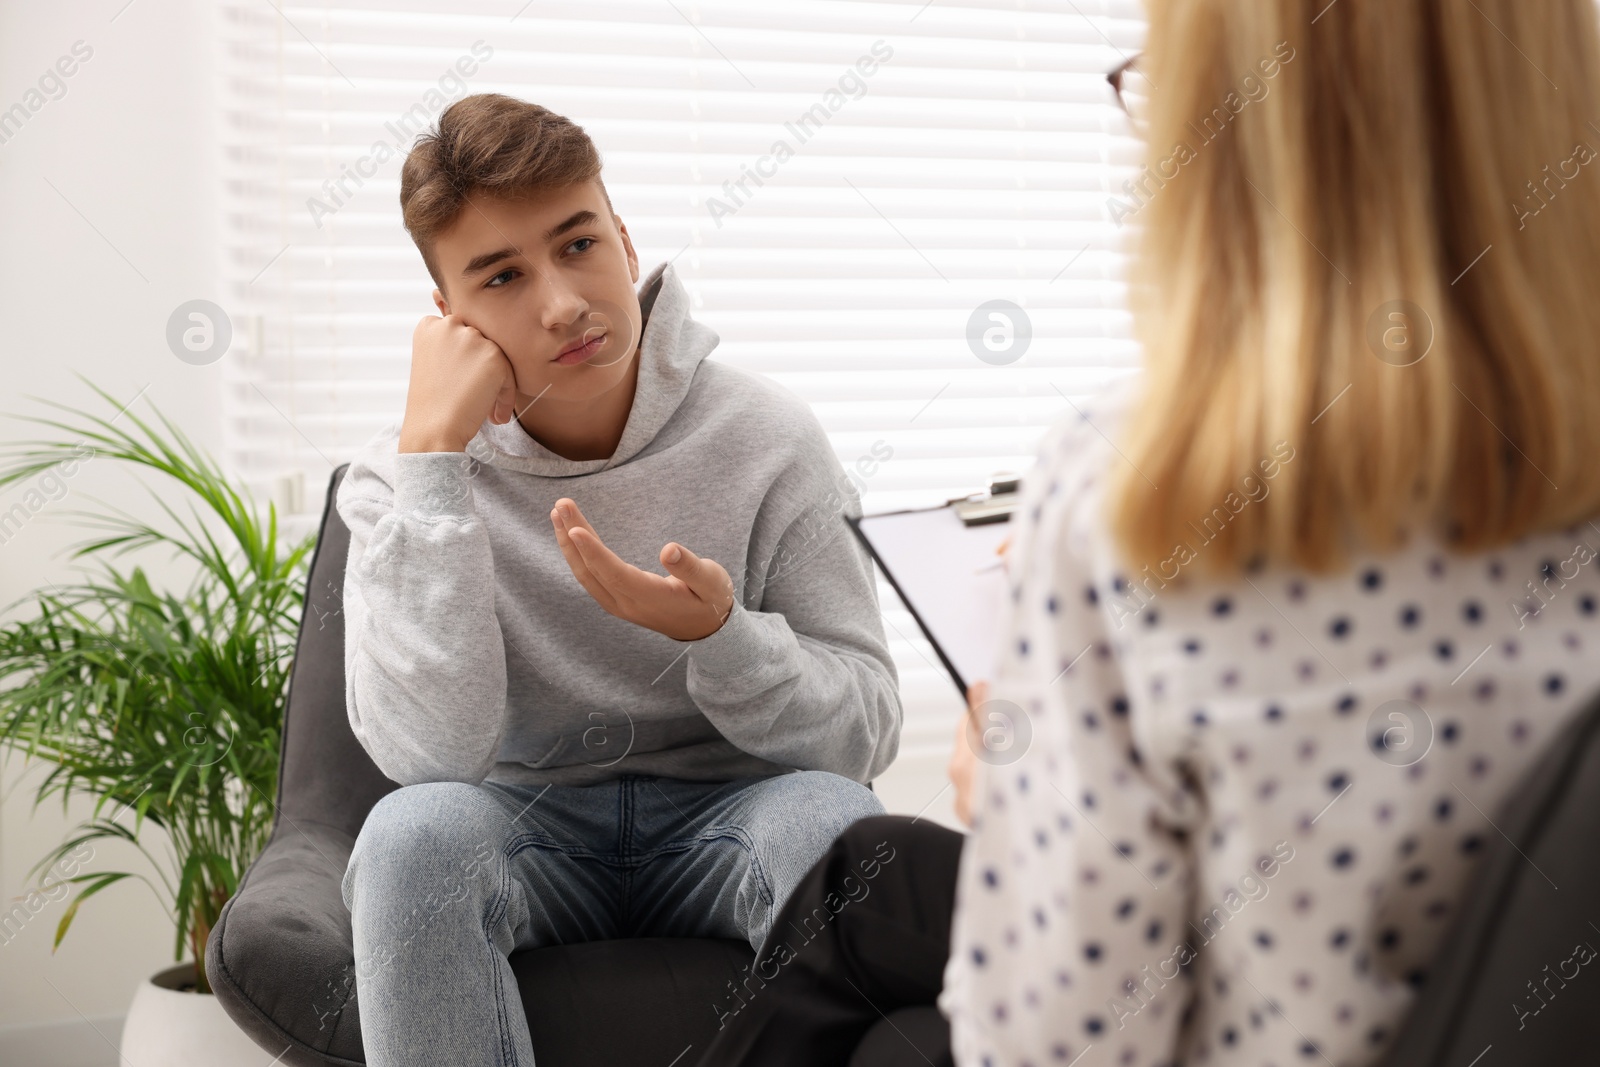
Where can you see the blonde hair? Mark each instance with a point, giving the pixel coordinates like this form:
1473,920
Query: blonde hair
1416,151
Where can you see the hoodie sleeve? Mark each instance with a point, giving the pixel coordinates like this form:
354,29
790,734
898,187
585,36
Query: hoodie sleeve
807,681
424,667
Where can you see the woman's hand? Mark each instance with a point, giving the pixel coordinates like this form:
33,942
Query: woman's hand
963,757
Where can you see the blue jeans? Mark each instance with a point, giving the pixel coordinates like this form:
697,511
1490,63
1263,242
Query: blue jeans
447,880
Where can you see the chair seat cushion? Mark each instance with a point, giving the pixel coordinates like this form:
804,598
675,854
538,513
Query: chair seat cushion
910,1037
637,1001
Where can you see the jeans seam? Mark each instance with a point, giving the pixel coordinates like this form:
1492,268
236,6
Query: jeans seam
502,900
526,840
625,853
709,834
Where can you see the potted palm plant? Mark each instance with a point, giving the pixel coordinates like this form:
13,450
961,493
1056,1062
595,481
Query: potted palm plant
165,706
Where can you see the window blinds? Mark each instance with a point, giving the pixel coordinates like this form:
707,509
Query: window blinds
939,156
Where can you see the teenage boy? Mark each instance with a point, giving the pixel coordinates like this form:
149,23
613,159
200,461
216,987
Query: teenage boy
605,623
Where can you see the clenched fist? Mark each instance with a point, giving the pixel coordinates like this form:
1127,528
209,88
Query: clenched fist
458,378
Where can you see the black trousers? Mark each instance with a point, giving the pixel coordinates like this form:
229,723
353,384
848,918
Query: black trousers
865,936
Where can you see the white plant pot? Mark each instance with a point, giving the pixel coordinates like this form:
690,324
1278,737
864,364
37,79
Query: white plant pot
170,1025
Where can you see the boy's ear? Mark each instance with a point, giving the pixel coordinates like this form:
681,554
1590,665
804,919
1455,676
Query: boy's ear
627,245
439,302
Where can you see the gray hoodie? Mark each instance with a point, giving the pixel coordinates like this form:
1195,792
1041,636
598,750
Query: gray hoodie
472,653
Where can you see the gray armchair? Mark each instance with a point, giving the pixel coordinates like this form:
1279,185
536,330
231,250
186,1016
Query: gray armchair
281,958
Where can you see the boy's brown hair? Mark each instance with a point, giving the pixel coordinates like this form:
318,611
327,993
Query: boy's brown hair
492,143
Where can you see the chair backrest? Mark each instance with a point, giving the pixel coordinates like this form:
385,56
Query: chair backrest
1527,927
323,772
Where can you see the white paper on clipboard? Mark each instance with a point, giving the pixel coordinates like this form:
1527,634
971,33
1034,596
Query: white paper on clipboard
949,576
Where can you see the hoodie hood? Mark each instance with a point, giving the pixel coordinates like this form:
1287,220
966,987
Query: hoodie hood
670,351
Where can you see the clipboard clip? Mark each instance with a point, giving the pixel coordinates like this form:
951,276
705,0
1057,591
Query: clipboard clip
994,504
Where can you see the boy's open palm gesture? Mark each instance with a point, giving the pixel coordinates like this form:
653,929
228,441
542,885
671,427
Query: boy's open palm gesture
691,602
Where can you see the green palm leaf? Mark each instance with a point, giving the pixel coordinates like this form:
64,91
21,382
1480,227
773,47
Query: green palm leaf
165,706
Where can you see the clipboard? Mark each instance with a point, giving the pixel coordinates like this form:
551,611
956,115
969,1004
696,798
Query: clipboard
942,563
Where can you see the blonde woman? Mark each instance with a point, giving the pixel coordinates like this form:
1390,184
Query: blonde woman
1296,607
1285,647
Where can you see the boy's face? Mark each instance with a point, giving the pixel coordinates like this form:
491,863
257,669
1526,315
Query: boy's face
540,274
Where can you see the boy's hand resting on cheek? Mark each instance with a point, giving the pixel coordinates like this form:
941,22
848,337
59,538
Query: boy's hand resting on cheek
458,378
692,602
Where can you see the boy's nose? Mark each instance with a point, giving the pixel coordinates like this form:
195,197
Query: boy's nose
562,307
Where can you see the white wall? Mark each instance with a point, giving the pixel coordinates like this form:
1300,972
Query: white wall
109,223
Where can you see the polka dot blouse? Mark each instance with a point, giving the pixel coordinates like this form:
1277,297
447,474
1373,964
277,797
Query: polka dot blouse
1238,816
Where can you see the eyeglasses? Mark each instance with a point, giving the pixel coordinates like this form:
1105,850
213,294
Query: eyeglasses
1133,92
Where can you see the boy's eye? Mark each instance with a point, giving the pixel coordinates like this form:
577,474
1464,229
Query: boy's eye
574,245
490,284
